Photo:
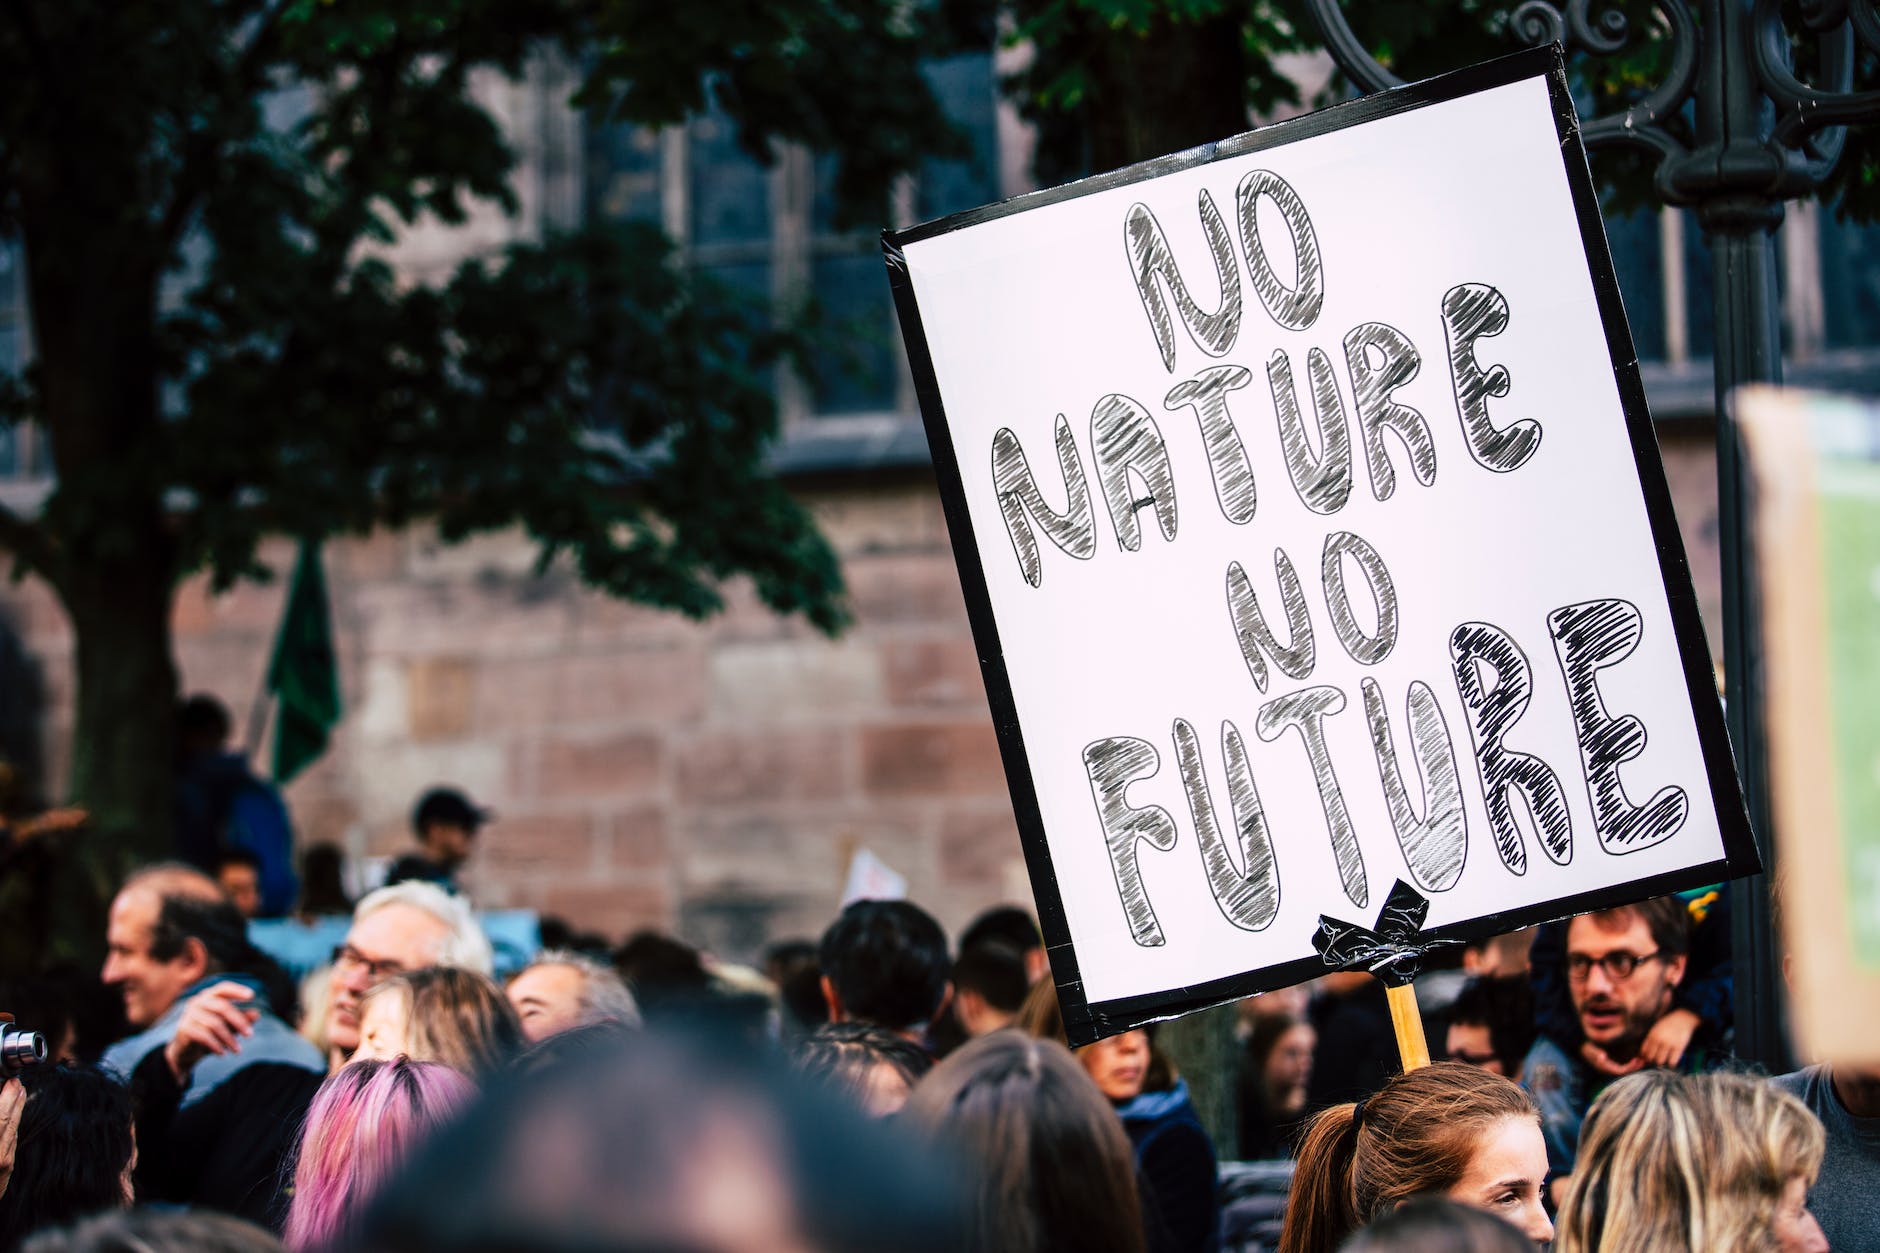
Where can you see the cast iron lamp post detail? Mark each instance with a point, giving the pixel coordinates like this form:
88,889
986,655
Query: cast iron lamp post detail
1762,137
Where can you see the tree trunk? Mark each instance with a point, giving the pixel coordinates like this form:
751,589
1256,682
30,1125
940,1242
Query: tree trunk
93,261
1171,87
123,753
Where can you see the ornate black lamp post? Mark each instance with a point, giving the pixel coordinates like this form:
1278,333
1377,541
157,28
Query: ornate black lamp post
1762,137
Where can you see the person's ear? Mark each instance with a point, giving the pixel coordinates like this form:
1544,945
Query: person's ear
195,956
834,1002
946,999
1674,969
1788,972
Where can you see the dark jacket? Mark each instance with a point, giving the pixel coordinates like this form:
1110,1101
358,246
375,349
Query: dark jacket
1564,1088
1357,1049
221,805
1175,1172
222,1141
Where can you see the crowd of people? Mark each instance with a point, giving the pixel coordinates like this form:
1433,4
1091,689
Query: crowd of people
882,1088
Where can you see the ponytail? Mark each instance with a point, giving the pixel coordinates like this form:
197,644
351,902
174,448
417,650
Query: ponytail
1320,1209
1418,1133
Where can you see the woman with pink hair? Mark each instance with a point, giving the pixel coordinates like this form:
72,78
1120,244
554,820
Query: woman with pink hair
365,1121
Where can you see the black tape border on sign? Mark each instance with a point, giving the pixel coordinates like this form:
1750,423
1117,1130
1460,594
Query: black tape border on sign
1085,1022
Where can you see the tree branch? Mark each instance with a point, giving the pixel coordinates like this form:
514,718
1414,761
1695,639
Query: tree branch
192,179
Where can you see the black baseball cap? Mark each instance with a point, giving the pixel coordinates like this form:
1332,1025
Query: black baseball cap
450,807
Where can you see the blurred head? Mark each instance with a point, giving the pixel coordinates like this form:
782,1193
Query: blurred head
202,725
1051,1165
663,972
1280,1052
561,990
1290,1002
169,926
1499,956
667,1142
405,927
75,1152
885,962
157,1231
793,967
322,883
365,1121
1042,1018
440,1014
1436,1224
1446,1128
238,873
870,1065
573,1047
1491,1024
1623,965
1118,1064
1681,1163
446,824
1013,927
989,987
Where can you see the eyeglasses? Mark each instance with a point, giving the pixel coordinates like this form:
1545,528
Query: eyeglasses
349,959
1618,966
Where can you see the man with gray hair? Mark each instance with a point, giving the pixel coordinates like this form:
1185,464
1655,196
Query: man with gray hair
407,926
561,990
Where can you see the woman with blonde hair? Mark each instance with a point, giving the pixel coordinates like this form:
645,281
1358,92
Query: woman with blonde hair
441,1014
1677,1163
1449,1129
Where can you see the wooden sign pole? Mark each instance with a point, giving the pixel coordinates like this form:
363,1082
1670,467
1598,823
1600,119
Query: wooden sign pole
1408,1020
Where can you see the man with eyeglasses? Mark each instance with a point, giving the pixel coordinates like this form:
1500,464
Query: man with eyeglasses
407,926
1623,967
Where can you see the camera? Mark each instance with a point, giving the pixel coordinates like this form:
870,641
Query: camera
19,1049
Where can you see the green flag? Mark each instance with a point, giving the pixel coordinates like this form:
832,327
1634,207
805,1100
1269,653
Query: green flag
303,675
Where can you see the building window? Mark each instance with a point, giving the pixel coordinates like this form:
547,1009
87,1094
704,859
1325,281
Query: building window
731,217
967,89
858,370
771,231
624,174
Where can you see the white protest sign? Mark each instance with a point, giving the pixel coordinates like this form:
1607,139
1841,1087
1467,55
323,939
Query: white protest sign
1308,510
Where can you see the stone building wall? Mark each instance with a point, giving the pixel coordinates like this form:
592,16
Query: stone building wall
650,771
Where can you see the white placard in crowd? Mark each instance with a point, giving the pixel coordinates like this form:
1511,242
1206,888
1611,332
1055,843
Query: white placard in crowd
1309,512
